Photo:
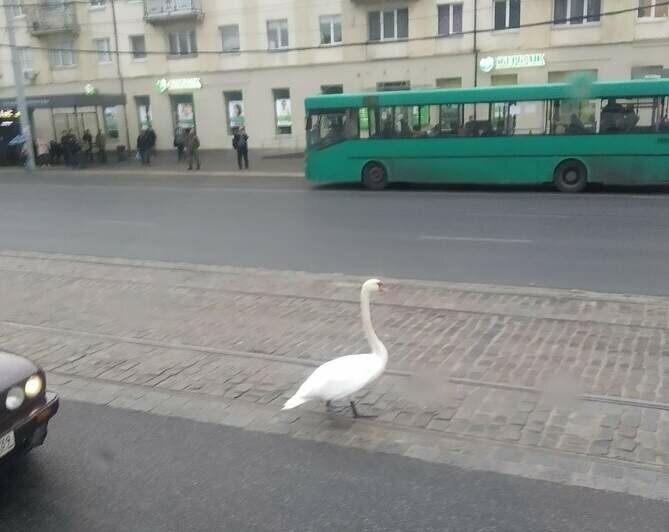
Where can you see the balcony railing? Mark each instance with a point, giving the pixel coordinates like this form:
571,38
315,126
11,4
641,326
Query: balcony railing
157,11
51,18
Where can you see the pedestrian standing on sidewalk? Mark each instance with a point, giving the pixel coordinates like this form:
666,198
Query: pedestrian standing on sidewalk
179,142
101,144
151,139
87,139
144,148
240,142
193,148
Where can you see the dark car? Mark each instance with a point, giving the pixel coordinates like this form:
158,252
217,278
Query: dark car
25,405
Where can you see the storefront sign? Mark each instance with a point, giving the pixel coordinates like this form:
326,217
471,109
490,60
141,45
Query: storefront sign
183,84
9,114
507,62
89,89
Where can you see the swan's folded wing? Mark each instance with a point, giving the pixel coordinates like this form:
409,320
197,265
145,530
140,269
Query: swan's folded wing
341,377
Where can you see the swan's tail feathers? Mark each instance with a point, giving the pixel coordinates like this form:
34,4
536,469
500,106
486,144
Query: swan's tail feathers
294,401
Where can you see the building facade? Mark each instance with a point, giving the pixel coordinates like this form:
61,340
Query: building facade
219,63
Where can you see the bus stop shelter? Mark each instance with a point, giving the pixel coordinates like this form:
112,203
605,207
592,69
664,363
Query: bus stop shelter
71,111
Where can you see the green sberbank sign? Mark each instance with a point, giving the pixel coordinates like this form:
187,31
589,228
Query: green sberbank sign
508,62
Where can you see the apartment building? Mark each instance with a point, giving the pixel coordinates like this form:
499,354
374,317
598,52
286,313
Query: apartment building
217,64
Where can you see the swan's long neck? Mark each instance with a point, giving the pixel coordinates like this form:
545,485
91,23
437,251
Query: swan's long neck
377,346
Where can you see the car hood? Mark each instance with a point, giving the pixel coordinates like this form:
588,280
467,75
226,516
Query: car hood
14,368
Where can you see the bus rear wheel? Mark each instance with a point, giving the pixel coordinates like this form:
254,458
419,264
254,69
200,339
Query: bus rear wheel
374,176
570,176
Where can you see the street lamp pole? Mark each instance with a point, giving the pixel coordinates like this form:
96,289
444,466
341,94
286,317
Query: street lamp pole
20,90
120,75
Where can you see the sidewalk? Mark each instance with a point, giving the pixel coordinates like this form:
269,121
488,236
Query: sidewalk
567,386
214,163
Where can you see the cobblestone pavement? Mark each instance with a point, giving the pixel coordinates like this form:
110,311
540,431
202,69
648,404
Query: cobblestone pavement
564,385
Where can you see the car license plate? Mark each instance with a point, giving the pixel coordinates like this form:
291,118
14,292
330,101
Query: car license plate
7,443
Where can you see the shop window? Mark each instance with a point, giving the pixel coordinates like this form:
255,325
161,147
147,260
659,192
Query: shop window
111,122
449,83
143,104
282,111
234,105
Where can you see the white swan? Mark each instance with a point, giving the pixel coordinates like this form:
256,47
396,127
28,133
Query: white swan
343,376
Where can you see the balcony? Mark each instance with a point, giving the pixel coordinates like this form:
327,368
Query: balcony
165,11
51,19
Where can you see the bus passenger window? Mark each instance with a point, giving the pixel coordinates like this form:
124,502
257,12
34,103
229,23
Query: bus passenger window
573,117
386,122
631,115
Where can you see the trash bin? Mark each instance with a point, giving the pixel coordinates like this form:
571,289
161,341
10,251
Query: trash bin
121,153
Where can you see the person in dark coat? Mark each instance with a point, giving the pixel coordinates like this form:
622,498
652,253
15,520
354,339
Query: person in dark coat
151,139
144,148
240,142
87,139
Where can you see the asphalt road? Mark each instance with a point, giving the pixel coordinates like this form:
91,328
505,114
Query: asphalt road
612,241
105,469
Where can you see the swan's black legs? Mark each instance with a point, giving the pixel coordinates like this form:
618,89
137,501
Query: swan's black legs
356,414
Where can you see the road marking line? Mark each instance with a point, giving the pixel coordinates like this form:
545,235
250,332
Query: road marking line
125,222
474,239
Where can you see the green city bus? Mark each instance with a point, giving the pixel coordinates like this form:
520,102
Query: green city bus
569,134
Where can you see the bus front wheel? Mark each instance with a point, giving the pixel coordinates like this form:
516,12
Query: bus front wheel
374,176
570,176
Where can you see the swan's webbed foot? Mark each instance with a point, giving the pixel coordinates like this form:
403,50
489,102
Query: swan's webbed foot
357,414
331,409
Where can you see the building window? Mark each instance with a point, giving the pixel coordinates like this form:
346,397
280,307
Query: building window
103,49
388,25
277,34
384,86
332,89
26,56
450,19
183,42
576,11
507,14
449,83
17,8
62,55
330,29
283,113
230,38
138,46
95,3
653,8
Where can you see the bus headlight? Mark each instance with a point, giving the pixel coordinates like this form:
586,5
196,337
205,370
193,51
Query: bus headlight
33,386
15,398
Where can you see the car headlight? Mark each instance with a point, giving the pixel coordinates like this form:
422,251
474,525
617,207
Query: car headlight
33,386
15,398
